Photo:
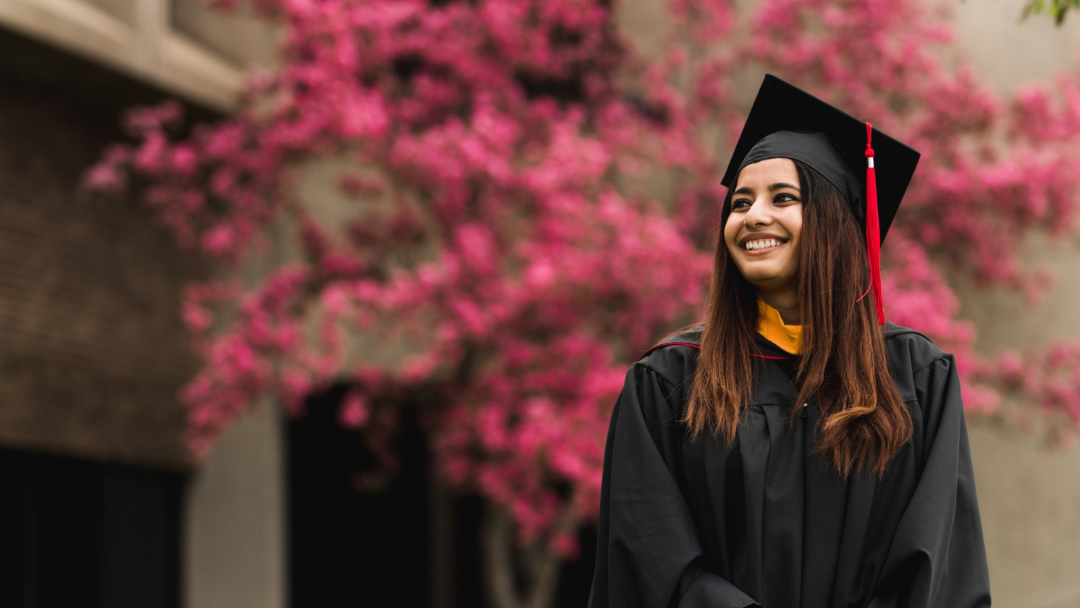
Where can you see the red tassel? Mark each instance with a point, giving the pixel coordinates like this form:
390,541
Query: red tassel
873,228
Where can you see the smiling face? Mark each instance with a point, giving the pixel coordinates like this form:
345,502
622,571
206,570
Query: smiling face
763,228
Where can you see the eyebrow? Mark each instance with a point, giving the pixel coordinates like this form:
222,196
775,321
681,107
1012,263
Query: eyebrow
772,188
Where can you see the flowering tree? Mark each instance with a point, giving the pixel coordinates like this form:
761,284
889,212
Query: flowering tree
508,233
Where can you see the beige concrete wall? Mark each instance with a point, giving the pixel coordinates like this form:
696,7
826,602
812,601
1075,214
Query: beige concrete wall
234,529
234,540
1008,51
1029,493
237,37
1030,502
171,44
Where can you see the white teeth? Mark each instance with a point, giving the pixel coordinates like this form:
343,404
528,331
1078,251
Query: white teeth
761,244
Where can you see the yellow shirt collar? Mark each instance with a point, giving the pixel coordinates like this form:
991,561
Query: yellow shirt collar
771,326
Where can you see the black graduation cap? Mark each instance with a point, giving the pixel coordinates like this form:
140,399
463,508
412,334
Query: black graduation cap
787,122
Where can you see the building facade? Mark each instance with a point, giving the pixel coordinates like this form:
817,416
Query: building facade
92,351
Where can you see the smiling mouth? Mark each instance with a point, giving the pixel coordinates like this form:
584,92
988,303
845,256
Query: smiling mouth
760,244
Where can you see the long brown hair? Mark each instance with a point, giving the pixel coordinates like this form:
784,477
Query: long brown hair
864,422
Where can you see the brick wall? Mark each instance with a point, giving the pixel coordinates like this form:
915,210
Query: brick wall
92,352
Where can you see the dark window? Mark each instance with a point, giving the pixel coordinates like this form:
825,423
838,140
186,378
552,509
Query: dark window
79,533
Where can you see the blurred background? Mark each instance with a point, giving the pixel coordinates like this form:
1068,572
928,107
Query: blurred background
337,314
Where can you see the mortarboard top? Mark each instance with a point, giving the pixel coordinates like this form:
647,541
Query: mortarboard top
787,122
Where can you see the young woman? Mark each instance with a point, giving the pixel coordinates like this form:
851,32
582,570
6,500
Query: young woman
794,451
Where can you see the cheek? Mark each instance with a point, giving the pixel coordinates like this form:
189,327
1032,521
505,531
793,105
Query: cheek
794,226
796,251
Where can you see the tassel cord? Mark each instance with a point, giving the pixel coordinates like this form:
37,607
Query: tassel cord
873,228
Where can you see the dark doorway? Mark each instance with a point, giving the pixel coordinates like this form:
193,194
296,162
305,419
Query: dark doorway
351,546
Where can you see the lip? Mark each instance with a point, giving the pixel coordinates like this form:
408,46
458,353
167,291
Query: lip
757,236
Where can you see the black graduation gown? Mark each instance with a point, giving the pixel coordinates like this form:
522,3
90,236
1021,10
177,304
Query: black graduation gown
764,521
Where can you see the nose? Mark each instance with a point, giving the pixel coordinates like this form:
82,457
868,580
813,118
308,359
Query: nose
759,214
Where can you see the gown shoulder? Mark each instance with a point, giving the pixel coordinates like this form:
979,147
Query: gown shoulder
674,358
912,356
906,343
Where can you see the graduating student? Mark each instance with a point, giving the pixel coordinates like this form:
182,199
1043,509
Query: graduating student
795,450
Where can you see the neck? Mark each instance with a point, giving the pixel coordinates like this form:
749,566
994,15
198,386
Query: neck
787,304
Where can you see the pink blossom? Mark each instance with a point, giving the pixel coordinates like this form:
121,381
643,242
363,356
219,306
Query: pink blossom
354,411
538,204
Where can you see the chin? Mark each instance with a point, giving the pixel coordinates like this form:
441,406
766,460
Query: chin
771,281
765,277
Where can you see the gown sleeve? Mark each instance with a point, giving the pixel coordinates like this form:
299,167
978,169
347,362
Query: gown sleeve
648,552
937,558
